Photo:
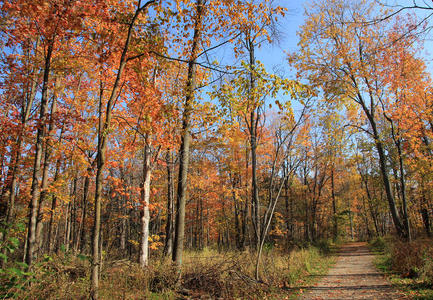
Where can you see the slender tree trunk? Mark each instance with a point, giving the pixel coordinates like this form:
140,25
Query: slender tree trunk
195,226
123,227
104,126
397,142
53,210
15,170
267,220
365,215
35,189
44,186
186,138
424,211
426,221
373,213
66,227
145,215
403,192
236,205
97,227
334,205
254,119
288,206
383,168
201,235
385,177
73,219
83,236
307,235
168,248
255,191
246,209
81,225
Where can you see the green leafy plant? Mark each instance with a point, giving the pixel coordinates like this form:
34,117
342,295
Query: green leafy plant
13,273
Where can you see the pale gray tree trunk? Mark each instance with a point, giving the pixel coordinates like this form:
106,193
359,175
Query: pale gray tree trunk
145,215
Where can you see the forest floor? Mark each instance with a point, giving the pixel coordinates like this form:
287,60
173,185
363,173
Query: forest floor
354,276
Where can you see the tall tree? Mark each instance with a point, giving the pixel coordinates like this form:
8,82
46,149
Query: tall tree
178,242
104,126
336,48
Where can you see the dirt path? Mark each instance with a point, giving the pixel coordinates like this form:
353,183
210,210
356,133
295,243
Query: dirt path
353,277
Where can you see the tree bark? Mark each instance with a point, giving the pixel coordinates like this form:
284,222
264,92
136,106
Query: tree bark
370,114
254,119
186,138
334,206
83,236
53,211
168,247
35,189
145,215
44,185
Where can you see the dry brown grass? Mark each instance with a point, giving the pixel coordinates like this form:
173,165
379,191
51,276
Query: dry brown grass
414,259
208,274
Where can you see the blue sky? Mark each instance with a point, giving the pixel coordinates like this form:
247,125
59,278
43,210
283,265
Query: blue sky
274,55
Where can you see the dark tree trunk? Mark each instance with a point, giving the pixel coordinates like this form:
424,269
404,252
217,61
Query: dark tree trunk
334,206
168,247
186,138
44,186
35,189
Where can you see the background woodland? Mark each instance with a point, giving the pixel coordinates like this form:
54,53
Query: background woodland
137,130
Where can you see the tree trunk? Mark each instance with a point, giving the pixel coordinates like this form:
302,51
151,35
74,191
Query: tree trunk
382,163
391,202
236,209
254,119
123,227
168,247
44,186
145,215
15,170
186,138
246,209
53,210
334,206
103,131
97,226
403,192
83,237
35,189
66,227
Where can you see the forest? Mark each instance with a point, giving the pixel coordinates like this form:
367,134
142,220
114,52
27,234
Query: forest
148,152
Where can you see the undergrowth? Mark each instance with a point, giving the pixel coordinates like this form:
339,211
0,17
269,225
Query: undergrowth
409,266
207,273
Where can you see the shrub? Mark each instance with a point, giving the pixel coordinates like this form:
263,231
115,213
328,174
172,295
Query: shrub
412,259
378,244
427,270
162,277
324,246
205,274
